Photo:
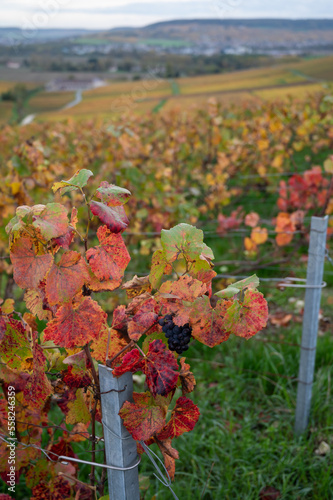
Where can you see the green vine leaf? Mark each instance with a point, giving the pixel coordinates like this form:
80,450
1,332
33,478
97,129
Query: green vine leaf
78,181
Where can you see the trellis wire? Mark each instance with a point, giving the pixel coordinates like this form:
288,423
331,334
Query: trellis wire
328,257
64,459
166,481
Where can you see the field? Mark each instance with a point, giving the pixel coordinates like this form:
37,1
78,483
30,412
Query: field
140,97
49,101
157,95
5,112
250,165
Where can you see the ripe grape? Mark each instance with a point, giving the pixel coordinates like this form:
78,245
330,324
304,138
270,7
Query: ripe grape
178,336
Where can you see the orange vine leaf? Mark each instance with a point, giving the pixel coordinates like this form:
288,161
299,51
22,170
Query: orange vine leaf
183,419
208,323
29,266
247,317
109,260
76,325
66,278
145,417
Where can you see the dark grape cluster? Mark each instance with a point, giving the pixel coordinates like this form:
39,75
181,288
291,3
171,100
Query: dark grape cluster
178,336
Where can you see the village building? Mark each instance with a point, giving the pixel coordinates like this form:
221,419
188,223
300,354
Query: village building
74,84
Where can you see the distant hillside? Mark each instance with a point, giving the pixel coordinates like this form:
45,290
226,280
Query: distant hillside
40,35
275,36
289,24
195,37
268,29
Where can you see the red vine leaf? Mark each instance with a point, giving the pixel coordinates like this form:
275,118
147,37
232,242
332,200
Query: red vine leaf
134,306
35,300
74,217
203,274
159,366
284,228
98,347
29,266
170,455
109,260
3,327
66,278
161,369
66,239
145,417
76,380
96,285
58,489
75,325
186,377
177,297
114,218
208,323
183,419
246,318
232,222
120,319
38,387
132,362
144,319
113,196
63,447
16,378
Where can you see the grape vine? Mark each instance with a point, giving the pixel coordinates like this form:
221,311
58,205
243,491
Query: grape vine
50,352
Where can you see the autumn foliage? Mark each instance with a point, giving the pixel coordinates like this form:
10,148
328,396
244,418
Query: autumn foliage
61,260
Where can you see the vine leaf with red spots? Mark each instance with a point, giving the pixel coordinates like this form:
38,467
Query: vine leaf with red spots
159,366
76,324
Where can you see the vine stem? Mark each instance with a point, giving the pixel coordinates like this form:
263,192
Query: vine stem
71,478
101,483
328,197
128,346
93,419
93,448
139,349
94,373
131,344
210,472
89,220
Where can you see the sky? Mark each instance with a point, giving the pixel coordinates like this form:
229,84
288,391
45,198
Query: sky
106,14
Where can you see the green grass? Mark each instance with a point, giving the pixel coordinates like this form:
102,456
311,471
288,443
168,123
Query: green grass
159,106
163,42
175,88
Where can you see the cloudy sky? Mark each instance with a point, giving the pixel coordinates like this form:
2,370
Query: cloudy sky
104,14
